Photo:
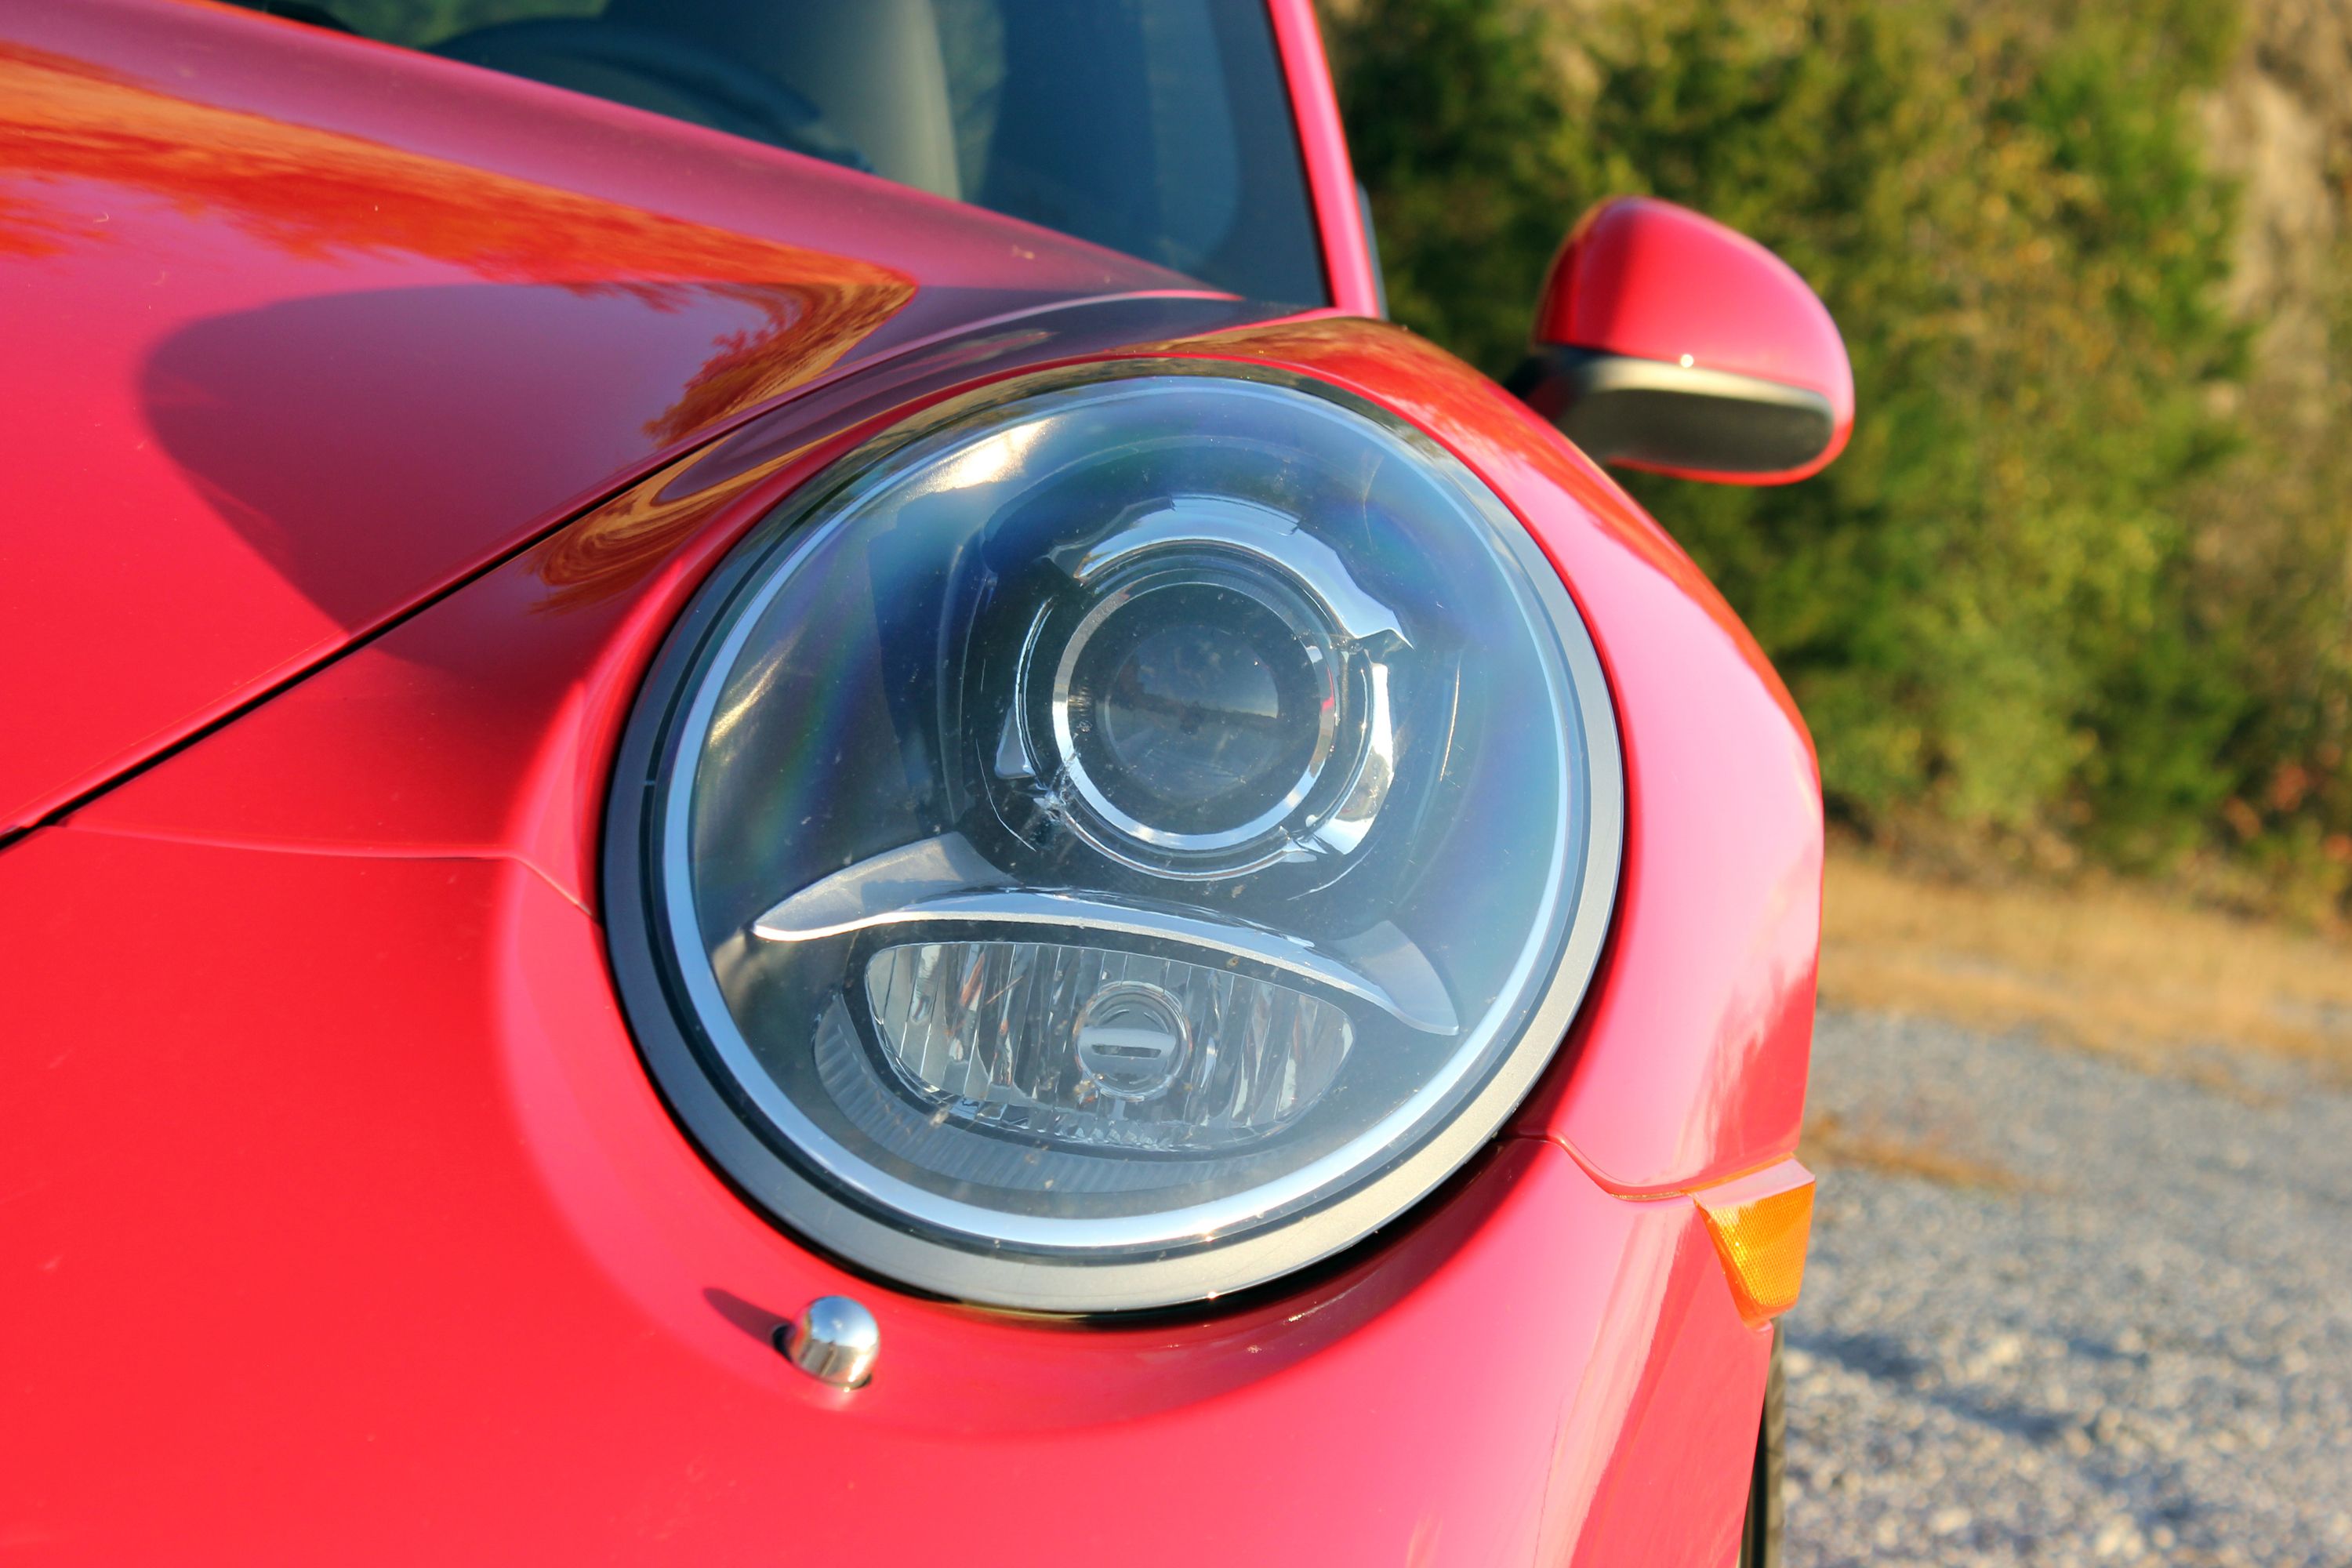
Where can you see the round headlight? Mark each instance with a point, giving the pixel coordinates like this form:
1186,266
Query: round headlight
1115,840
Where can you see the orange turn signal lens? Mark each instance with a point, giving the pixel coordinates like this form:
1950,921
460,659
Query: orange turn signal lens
1761,1223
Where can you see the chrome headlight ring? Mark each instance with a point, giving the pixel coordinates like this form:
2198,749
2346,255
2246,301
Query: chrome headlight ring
1115,840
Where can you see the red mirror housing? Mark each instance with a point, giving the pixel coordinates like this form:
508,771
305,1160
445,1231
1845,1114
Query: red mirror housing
1664,341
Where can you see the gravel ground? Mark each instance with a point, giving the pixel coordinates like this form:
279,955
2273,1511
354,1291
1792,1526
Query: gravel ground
2138,1350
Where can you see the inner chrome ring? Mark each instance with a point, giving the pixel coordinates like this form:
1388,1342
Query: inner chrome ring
1321,677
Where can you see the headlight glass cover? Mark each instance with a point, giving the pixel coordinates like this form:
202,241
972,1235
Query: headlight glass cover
1115,840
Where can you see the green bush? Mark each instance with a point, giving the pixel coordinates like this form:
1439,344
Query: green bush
2001,607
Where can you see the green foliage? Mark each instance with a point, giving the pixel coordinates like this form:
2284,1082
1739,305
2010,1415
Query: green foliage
2001,606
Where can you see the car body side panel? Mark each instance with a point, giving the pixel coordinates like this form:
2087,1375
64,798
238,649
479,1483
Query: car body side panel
304,328
386,1248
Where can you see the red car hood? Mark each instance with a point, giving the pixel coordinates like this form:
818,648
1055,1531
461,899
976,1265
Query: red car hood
301,329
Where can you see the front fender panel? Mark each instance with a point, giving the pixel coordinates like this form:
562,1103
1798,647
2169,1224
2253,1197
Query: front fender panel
347,1212
344,1225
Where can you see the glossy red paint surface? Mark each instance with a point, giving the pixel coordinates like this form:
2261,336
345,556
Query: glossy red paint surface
1650,279
304,328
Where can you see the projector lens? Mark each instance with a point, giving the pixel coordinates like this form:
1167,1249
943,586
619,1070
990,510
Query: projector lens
1194,709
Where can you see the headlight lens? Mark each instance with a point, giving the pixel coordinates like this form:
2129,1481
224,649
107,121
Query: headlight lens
1116,839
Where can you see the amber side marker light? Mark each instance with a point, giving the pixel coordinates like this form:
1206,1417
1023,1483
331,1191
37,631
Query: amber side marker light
1761,1223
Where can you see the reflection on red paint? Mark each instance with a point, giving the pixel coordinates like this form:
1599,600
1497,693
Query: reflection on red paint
313,191
317,193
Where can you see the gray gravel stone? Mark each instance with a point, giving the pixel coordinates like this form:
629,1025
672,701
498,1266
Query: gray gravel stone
2141,1353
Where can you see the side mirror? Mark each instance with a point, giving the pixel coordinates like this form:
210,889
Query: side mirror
1664,341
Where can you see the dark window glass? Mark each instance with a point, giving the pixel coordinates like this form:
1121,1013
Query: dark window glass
1161,128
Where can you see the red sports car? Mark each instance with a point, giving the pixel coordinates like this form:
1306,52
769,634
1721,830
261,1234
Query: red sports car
772,790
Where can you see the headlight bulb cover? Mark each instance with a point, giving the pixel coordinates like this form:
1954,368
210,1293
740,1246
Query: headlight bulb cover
1116,838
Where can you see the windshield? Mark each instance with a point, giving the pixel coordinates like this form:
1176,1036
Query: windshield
1159,128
